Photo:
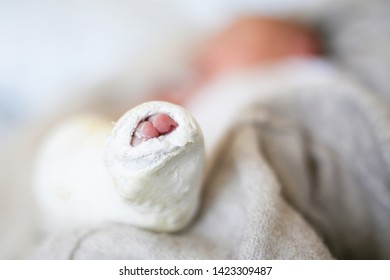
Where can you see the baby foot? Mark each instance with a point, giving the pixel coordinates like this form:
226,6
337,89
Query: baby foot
159,185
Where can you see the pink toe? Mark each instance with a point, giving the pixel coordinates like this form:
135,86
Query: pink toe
163,123
145,129
152,127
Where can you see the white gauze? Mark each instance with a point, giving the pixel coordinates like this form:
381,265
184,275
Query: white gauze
82,178
160,178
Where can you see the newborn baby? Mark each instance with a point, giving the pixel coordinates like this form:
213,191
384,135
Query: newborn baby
155,155
155,149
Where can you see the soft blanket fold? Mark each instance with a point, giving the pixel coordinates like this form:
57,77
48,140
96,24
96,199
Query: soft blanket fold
299,169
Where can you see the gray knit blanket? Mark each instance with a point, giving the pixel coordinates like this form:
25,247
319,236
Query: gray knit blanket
303,174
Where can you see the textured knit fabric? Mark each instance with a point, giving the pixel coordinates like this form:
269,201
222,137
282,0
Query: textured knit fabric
298,173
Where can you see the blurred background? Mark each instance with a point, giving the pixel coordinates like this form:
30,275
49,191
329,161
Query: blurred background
56,51
58,57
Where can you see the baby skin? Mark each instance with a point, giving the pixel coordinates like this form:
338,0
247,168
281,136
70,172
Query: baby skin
248,42
255,41
152,127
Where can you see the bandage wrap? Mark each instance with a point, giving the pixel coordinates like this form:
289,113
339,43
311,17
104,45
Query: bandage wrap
161,178
87,173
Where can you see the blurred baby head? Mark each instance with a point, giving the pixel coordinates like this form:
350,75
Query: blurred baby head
254,41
